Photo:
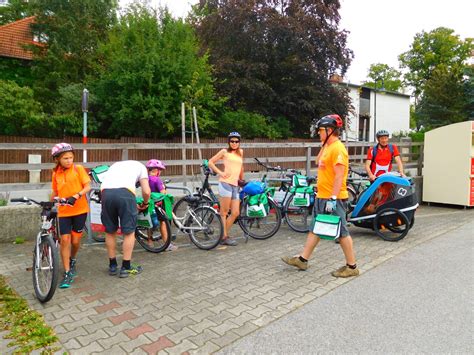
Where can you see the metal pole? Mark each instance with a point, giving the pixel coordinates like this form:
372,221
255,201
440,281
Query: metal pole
375,108
183,141
198,141
85,104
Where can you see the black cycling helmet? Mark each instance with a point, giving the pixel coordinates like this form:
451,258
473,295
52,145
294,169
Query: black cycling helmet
332,121
233,135
382,133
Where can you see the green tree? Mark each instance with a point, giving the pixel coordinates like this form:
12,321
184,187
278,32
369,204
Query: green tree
147,67
19,112
383,73
431,49
71,31
274,57
15,10
444,100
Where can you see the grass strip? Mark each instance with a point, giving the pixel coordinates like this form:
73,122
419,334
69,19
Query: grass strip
25,327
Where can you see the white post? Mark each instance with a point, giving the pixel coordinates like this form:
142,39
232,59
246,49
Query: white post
35,175
198,141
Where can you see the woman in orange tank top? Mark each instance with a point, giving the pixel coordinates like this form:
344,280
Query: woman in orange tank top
229,199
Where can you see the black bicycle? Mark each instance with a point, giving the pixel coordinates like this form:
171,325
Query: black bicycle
46,263
296,206
257,227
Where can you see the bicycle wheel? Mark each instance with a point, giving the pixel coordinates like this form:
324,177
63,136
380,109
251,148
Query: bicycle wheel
181,206
352,199
391,224
260,227
298,218
205,227
45,268
151,239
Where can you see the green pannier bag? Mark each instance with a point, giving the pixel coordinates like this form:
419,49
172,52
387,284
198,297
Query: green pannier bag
302,196
299,181
327,226
257,205
144,218
98,173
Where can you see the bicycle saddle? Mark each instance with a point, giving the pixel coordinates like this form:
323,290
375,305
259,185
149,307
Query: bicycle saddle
192,199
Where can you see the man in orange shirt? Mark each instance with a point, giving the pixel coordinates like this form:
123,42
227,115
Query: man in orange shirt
72,183
333,166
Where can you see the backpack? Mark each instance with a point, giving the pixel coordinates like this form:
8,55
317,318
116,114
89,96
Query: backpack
374,154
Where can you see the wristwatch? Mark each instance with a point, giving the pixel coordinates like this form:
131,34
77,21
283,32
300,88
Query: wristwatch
334,197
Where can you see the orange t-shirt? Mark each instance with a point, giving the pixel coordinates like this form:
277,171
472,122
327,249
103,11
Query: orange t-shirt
67,183
333,155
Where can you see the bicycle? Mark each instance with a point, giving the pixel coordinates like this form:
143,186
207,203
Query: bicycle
298,216
150,239
255,227
357,183
46,252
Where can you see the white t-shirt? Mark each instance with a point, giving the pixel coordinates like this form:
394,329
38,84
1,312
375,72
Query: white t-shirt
124,174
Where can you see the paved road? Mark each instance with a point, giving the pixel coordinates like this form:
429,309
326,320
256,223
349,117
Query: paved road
201,302
419,302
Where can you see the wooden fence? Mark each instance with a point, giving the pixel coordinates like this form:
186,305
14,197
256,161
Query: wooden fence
292,153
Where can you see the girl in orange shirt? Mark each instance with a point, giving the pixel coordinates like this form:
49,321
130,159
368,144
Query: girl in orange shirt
232,157
70,182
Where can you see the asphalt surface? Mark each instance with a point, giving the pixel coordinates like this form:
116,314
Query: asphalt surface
419,302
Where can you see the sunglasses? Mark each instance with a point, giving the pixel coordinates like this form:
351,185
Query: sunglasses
234,141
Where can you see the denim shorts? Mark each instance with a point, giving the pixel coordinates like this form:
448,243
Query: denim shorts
341,208
228,190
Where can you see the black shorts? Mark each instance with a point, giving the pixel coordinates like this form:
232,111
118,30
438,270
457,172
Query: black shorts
72,223
119,207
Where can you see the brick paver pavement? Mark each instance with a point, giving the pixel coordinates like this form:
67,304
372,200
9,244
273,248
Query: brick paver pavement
194,301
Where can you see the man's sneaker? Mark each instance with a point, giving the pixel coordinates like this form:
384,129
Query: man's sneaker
134,270
295,261
228,241
171,247
345,271
113,270
72,267
66,281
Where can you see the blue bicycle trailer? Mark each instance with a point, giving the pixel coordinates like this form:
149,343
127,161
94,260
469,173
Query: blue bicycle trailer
387,206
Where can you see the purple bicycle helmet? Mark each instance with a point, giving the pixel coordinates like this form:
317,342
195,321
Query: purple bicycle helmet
155,164
60,148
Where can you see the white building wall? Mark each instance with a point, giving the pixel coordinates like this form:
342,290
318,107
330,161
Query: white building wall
353,126
393,113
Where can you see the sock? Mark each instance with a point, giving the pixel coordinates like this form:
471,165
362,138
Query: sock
126,264
113,261
352,266
302,259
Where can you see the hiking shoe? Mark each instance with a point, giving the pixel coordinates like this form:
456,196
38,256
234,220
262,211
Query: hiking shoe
66,281
295,261
345,271
72,267
228,241
113,270
134,270
171,247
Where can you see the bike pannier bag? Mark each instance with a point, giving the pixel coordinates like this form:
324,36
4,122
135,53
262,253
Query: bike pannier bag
299,181
257,206
327,226
98,173
302,196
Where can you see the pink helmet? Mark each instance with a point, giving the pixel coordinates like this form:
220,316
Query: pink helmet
155,164
60,148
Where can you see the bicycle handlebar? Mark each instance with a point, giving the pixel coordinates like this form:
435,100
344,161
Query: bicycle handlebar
277,168
60,201
360,173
